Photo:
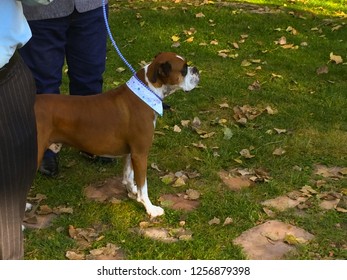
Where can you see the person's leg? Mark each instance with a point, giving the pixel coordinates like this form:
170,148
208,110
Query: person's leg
45,56
18,155
45,53
86,52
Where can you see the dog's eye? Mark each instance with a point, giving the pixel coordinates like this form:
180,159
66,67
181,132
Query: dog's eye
184,70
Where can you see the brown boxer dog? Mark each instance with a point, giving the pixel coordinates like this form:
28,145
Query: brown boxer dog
117,122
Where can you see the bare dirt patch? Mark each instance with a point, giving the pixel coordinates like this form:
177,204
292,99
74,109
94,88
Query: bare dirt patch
271,240
110,190
179,201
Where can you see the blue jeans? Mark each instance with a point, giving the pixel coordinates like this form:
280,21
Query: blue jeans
80,38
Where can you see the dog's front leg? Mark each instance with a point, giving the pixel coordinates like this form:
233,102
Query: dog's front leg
140,172
128,178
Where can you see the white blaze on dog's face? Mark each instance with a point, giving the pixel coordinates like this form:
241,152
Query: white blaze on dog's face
170,72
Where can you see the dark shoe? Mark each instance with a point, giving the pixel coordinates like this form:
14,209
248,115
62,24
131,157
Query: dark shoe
49,164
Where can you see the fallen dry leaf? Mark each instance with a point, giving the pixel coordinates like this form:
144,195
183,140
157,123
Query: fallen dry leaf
322,70
280,130
177,129
246,153
246,63
228,221
71,255
254,86
193,194
214,221
234,183
336,58
200,145
185,123
279,152
175,38
179,182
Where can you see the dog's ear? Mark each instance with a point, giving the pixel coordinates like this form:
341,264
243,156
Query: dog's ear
161,70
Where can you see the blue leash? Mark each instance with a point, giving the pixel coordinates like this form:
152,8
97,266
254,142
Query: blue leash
120,54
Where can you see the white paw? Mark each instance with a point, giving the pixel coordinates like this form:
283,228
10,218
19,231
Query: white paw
23,227
155,211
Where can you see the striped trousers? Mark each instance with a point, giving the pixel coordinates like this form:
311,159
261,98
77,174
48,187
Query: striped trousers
18,153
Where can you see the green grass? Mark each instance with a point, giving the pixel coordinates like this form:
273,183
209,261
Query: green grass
311,107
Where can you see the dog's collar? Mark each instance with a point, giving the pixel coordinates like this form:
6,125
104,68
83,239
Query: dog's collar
145,94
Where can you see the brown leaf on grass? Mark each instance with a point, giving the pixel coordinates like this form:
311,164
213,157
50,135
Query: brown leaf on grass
292,30
44,210
38,197
168,178
200,145
214,221
334,172
224,105
322,70
255,86
179,182
281,203
196,123
279,152
228,221
185,123
72,255
246,153
192,194
235,45
234,183
329,204
281,41
290,46
177,129
246,112
108,252
336,58
180,178
155,166
269,212
246,63
190,39
167,235
238,178
62,210
271,111
207,135
175,38
280,130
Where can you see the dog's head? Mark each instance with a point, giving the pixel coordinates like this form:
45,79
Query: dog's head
169,72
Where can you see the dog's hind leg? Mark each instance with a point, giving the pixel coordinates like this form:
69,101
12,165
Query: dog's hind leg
128,178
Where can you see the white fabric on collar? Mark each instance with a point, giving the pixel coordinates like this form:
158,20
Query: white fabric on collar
145,94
